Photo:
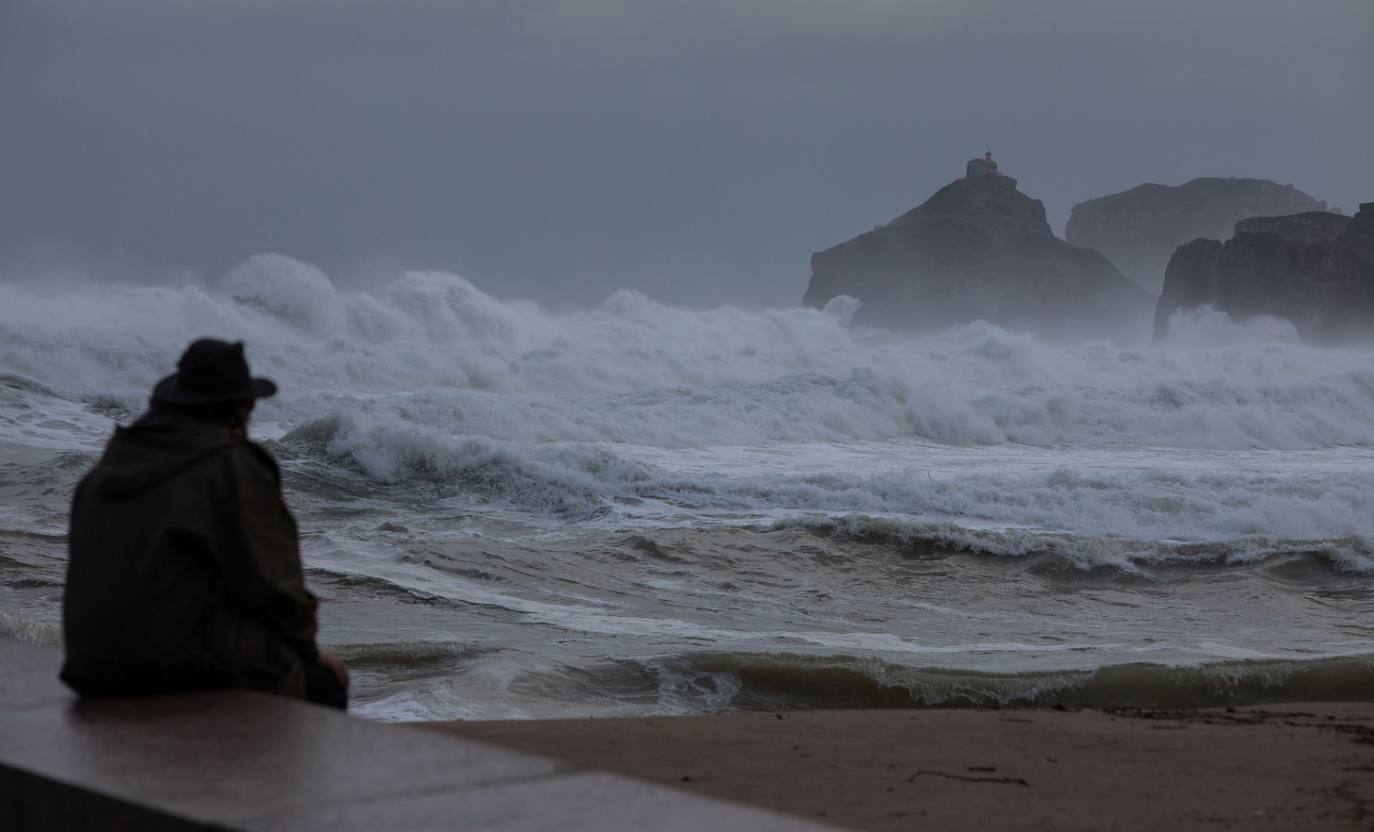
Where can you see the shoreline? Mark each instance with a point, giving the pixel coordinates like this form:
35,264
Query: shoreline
1299,766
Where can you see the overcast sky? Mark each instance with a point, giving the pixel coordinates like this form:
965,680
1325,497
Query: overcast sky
699,150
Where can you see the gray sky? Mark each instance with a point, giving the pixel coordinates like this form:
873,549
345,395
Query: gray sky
699,150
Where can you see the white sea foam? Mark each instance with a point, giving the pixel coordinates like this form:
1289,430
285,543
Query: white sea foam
1224,432
527,489
803,373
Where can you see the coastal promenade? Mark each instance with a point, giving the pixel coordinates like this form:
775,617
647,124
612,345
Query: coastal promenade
256,763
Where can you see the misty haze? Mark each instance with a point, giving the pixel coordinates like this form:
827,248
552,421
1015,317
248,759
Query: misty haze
723,360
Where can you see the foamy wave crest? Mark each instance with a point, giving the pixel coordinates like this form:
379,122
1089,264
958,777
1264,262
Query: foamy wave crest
1103,511
1349,554
713,682
431,351
563,479
763,681
46,633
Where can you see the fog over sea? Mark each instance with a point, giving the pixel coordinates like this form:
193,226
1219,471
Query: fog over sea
638,508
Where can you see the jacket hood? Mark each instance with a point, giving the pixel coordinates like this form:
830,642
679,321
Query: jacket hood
148,453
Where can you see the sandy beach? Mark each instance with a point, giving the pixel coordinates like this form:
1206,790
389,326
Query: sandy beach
1284,767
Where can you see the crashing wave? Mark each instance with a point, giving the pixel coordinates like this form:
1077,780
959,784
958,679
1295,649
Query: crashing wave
432,350
429,381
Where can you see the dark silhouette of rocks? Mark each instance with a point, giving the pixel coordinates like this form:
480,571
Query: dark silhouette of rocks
1140,228
1311,227
978,249
1315,269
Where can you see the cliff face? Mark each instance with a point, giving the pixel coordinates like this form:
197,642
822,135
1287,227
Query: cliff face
978,249
1140,228
1315,269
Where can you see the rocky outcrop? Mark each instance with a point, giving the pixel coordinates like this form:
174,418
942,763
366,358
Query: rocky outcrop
978,249
1190,281
1312,227
1315,269
1140,228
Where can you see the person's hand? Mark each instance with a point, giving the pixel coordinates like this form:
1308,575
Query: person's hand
337,666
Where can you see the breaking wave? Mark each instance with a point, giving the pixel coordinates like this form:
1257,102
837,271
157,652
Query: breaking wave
714,682
761,681
1349,554
472,468
434,355
431,381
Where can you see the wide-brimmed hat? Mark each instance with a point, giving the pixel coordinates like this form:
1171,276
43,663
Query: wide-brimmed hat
209,372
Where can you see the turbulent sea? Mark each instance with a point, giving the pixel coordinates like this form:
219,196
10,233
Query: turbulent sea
637,508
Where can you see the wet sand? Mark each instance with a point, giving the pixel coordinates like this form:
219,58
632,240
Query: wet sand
1282,767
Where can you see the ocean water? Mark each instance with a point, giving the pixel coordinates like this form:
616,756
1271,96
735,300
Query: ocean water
637,508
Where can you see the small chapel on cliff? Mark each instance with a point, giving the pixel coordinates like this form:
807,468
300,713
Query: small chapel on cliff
981,167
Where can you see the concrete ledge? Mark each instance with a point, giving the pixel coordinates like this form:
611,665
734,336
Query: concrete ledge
247,761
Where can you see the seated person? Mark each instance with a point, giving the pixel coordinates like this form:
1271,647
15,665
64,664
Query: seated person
184,571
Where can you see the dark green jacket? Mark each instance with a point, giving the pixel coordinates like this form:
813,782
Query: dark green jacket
184,572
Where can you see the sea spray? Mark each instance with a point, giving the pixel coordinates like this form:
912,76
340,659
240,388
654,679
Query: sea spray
538,496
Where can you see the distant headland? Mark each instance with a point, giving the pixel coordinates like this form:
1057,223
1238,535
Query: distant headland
980,249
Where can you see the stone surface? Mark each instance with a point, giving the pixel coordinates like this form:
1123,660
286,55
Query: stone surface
1314,269
30,675
33,802
248,761
978,249
1140,228
226,756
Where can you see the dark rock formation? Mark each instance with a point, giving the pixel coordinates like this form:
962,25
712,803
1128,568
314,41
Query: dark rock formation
978,249
1312,227
1140,228
1190,281
1315,269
